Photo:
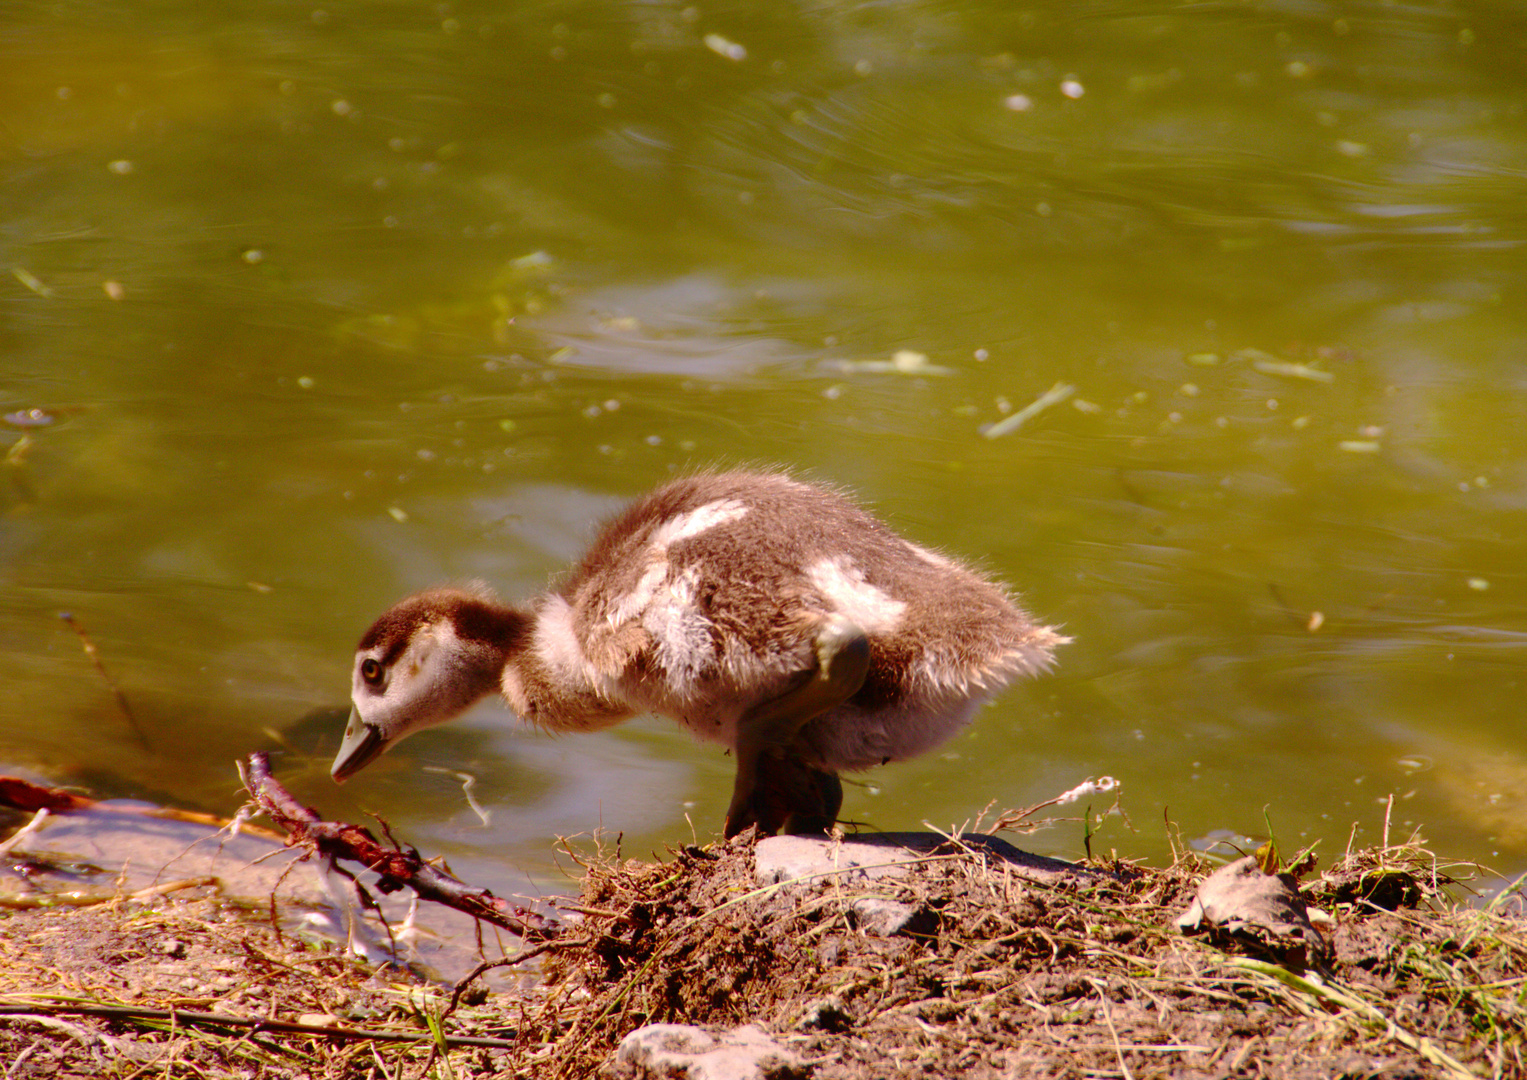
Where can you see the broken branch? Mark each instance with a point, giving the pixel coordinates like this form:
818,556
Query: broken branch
396,867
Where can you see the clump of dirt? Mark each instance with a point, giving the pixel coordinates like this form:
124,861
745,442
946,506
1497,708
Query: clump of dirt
1008,977
992,975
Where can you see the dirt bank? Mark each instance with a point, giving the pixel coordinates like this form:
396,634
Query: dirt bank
991,974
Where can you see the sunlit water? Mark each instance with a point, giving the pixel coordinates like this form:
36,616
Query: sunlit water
322,306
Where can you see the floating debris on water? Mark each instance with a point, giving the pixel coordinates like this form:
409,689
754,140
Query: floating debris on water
536,263
29,418
1053,396
723,47
30,280
902,362
1293,371
1360,446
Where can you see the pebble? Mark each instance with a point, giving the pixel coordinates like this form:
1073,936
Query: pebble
692,1053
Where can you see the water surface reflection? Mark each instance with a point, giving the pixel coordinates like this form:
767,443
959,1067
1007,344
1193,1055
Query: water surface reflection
328,306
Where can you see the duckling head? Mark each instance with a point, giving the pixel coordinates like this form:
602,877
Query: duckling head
425,661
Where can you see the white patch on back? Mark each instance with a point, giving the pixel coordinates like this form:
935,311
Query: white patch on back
842,583
650,589
681,633
632,604
694,522
557,645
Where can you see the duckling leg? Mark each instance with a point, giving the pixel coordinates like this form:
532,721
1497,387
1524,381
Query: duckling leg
774,787
790,796
812,798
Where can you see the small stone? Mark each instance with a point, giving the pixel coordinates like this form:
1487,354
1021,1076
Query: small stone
690,1052
887,918
854,861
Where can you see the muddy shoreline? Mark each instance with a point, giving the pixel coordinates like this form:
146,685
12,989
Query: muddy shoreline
991,972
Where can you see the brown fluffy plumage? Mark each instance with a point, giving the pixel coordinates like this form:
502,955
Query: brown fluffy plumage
762,613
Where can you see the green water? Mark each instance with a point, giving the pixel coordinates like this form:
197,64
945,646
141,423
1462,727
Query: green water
326,304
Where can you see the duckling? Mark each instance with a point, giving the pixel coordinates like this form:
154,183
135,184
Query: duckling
771,616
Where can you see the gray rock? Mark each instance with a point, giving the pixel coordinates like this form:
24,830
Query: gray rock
852,863
858,859
683,1050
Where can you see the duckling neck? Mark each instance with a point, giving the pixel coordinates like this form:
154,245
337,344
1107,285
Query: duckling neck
488,636
548,679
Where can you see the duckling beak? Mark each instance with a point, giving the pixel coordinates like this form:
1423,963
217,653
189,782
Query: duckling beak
363,744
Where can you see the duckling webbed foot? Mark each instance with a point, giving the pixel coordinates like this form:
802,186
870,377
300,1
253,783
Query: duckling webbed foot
774,787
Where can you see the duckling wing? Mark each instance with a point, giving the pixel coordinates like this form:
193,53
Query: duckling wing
704,598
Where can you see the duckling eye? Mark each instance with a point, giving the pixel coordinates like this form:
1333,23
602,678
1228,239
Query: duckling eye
371,671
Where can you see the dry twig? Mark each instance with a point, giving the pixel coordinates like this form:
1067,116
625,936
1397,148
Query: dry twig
395,867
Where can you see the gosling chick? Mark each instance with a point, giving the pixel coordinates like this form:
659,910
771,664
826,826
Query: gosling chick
768,615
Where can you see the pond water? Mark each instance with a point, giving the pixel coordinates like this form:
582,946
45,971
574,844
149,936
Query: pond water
307,306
